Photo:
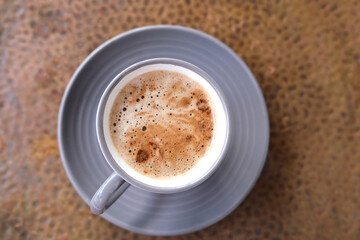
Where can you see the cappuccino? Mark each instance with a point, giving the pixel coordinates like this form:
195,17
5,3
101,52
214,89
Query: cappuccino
162,123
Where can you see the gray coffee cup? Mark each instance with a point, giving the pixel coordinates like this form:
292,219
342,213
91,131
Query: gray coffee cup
123,175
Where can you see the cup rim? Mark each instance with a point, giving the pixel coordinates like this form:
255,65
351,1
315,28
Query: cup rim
100,132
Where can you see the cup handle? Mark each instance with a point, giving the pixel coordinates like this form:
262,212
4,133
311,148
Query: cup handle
108,193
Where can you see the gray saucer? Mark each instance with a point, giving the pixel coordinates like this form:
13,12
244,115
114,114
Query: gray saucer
180,213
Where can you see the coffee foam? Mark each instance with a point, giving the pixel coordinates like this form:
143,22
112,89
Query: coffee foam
162,123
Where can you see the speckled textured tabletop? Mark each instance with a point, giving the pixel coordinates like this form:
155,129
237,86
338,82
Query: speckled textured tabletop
305,55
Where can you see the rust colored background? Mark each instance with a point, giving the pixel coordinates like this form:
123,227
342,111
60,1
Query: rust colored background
305,55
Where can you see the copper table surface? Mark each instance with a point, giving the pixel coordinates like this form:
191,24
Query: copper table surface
304,54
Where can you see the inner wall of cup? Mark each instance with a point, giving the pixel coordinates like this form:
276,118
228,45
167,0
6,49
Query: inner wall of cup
210,158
